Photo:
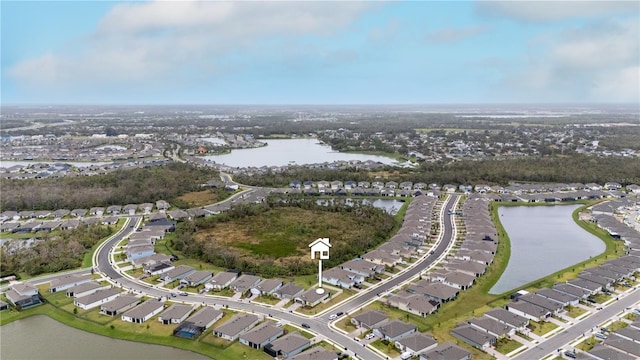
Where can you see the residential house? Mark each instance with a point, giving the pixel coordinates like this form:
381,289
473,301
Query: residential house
382,257
84,289
180,272
341,278
143,312
492,326
97,298
413,303
244,283
571,290
362,267
221,280
175,314
509,318
231,329
434,290
138,252
394,330
119,305
267,287
416,343
528,310
23,295
559,297
316,353
287,346
474,337
197,323
446,351
288,291
370,319
196,278
543,302
69,281
311,298
592,287
261,335
158,268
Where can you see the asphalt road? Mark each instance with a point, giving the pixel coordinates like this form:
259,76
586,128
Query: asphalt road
559,340
364,297
318,324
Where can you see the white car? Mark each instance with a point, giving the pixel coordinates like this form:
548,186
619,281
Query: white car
369,336
333,317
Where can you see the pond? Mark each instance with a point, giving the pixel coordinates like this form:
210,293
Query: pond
287,152
544,239
40,337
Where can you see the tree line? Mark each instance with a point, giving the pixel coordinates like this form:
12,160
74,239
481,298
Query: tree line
120,187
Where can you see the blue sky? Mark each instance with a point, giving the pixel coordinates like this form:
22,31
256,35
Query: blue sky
319,52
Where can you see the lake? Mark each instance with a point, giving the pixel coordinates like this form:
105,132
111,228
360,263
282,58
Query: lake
40,337
544,239
286,152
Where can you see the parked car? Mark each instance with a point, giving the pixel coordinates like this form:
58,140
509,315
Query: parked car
600,336
570,354
183,293
305,325
369,336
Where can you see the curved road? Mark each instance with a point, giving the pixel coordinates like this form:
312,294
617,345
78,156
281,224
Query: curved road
319,324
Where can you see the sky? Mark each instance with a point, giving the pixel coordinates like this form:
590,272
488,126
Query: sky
330,52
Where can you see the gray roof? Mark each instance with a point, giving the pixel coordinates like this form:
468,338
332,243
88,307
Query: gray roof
97,296
204,316
119,303
262,333
268,285
176,311
623,345
556,295
290,342
237,324
178,271
446,351
472,336
22,288
507,317
417,341
244,282
312,296
371,317
69,279
223,277
529,309
91,285
540,301
396,328
290,289
144,309
316,353
490,325
570,289
197,276
584,284
609,353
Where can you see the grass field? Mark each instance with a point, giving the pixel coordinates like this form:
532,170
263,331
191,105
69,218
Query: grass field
505,346
205,197
575,311
284,233
541,328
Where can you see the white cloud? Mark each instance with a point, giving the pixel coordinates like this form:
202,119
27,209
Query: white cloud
453,34
166,43
596,62
546,11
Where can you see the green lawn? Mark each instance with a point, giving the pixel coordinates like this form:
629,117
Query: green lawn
575,311
541,328
524,336
267,299
631,316
587,344
322,306
304,334
505,346
617,325
600,297
346,325
386,347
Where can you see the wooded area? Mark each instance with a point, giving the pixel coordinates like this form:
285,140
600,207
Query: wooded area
57,251
575,168
121,187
